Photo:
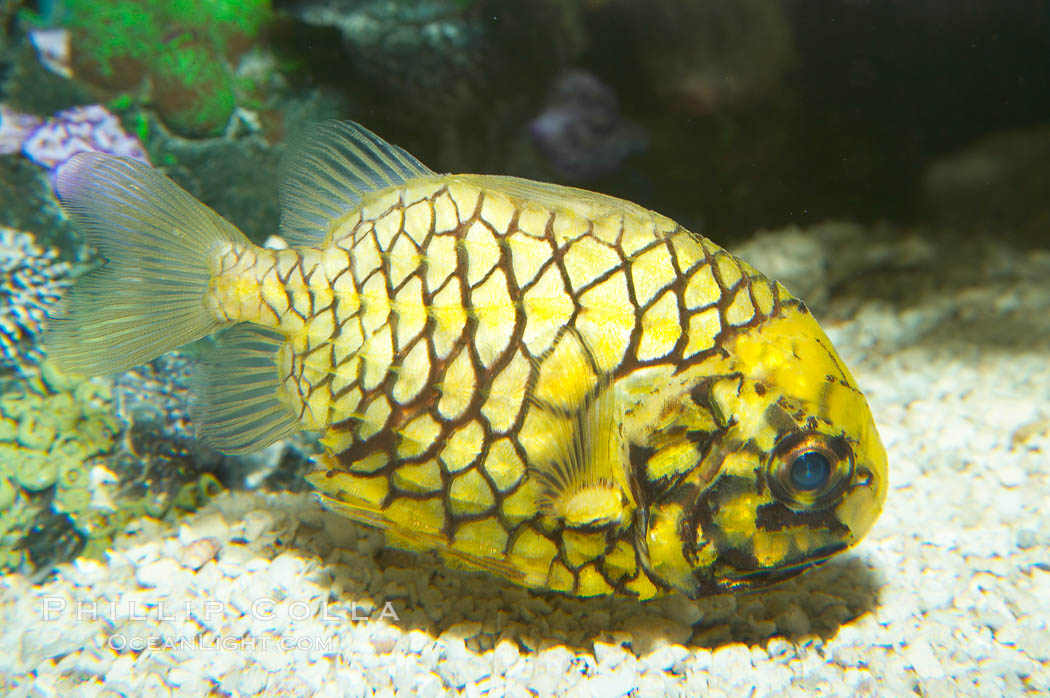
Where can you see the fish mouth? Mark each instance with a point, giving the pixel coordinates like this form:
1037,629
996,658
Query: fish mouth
744,580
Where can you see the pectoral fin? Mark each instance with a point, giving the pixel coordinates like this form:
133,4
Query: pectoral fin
585,483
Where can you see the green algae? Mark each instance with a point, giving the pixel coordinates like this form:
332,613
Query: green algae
62,451
183,49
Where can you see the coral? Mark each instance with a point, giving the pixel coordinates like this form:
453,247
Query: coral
581,132
153,400
180,79
78,130
49,441
72,473
31,281
81,459
54,50
154,394
457,75
15,127
183,47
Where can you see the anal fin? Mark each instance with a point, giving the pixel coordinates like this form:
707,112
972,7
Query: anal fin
236,401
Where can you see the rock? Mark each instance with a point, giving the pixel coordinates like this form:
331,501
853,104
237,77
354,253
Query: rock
204,526
999,184
194,555
272,660
664,657
163,574
286,570
921,658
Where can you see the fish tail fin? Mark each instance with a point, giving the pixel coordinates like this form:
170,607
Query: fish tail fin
149,297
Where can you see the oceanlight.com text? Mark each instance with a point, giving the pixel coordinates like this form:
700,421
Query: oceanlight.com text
120,642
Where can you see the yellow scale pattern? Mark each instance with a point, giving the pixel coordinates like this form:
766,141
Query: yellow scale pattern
415,333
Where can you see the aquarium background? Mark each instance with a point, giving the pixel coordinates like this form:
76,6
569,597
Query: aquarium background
888,160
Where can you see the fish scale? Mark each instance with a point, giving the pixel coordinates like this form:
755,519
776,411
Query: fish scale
555,386
635,270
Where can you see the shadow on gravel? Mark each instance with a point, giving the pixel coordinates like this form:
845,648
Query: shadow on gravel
431,598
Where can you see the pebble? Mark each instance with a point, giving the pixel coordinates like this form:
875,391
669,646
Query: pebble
949,594
384,642
163,574
609,656
273,660
462,631
252,683
429,685
609,686
195,554
286,570
212,525
256,522
793,621
543,682
665,657
731,660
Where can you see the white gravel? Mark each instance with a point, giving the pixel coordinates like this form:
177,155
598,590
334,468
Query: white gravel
949,594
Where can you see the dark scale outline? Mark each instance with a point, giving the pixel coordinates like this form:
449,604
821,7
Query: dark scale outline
592,278
477,331
661,290
400,353
613,538
418,496
632,301
427,398
609,532
514,343
544,264
485,375
284,282
462,240
412,274
466,342
396,206
307,313
306,276
364,231
262,275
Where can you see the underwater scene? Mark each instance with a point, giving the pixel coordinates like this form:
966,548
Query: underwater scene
561,347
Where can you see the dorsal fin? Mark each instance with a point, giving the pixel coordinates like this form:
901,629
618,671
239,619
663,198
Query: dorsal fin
329,170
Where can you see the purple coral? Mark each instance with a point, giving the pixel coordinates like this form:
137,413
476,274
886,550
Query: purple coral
80,130
15,127
581,132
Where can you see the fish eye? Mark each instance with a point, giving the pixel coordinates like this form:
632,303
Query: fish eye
810,470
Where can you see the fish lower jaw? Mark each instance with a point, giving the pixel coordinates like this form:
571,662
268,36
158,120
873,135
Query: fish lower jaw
731,579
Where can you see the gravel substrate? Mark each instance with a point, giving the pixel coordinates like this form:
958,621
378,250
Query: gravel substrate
949,593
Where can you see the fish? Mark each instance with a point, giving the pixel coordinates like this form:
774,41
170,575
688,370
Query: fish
549,385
